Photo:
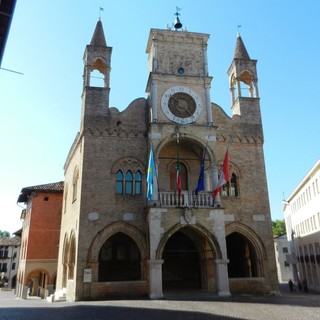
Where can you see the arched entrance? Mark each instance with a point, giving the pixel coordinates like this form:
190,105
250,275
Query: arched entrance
242,257
181,268
189,256
119,259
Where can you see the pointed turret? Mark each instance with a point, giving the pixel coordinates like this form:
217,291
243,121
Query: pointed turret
241,51
96,77
244,84
98,38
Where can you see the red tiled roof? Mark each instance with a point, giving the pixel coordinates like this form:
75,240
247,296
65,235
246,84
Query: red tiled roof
56,187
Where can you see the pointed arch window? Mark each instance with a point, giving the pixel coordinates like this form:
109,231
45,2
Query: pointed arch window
65,198
231,189
75,184
128,175
138,183
119,182
129,183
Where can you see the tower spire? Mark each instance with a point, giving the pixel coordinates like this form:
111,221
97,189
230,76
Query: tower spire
241,51
98,38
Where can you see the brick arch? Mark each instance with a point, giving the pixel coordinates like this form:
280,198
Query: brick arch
128,163
234,168
198,146
53,278
99,63
201,231
250,234
110,230
192,138
65,249
35,271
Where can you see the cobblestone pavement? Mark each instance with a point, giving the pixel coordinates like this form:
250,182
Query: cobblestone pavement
287,305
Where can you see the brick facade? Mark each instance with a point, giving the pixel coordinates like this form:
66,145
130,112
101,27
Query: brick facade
40,239
107,220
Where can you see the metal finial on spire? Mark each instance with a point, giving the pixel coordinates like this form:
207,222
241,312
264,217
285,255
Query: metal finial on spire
100,9
177,24
238,33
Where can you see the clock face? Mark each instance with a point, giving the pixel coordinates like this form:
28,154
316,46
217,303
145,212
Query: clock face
181,105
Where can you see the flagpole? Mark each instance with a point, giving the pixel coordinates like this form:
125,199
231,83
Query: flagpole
178,179
100,9
200,185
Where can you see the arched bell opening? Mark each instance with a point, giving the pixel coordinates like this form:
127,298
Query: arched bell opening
245,85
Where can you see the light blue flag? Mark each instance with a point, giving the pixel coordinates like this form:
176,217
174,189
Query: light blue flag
150,176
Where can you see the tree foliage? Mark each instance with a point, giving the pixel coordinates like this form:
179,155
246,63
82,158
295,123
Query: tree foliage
278,227
4,234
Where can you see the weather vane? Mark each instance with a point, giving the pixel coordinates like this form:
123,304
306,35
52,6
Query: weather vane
100,9
177,24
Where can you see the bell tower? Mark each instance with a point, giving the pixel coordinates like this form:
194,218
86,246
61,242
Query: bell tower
243,81
95,96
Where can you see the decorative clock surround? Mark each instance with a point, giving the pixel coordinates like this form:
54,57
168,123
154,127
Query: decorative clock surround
181,105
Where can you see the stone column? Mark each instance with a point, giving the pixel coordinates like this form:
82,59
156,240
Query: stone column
155,278
154,93
239,87
222,278
208,105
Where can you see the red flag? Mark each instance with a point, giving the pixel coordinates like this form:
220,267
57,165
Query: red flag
224,175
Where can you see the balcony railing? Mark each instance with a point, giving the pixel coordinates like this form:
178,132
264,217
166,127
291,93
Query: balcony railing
187,199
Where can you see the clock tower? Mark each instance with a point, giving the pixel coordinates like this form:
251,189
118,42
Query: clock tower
181,132
179,82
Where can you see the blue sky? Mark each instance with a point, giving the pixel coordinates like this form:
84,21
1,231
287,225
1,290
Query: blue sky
40,110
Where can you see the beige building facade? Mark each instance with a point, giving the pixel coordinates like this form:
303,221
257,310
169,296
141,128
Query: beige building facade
302,218
116,242
281,248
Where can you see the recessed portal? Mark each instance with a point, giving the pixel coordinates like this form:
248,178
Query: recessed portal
181,267
242,257
119,259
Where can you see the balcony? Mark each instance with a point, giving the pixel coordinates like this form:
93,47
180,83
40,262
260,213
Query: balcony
187,199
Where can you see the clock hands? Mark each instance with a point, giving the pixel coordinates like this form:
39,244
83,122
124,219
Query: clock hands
181,105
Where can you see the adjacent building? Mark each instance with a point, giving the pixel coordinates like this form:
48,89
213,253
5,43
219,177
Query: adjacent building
281,248
302,217
40,239
9,260
122,235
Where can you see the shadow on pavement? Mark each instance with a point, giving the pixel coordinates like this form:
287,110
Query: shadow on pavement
101,312
283,297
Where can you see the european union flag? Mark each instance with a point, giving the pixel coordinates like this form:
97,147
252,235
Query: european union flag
200,185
